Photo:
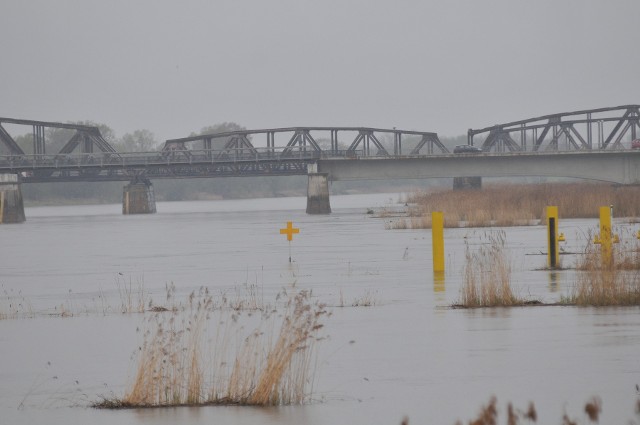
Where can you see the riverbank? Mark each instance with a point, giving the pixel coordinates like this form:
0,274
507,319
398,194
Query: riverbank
517,204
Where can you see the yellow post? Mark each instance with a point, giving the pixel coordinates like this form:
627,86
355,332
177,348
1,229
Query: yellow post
553,253
1,206
605,236
437,238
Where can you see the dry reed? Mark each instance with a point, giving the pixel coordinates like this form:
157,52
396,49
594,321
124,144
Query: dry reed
487,274
369,299
250,297
600,283
263,369
278,382
488,414
519,204
132,296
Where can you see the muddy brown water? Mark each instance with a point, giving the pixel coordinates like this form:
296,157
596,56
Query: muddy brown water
67,344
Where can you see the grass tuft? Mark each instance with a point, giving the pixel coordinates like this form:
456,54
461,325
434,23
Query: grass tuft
601,284
487,274
132,295
178,364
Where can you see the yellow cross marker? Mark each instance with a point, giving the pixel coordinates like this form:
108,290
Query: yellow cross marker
289,231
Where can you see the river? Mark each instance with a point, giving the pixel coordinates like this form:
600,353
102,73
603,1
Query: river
66,342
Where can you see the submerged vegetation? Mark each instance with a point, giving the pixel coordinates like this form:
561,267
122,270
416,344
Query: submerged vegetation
598,282
181,363
517,204
487,274
488,414
601,282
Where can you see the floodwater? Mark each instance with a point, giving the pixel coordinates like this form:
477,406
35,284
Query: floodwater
66,343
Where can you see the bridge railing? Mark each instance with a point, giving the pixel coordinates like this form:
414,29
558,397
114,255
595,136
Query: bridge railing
162,158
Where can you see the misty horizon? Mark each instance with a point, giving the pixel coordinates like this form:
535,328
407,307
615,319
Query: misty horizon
443,67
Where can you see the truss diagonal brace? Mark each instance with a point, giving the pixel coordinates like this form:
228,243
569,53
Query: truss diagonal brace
8,141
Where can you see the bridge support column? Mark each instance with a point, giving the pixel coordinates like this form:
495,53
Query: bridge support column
318,194
138,198
11,205
461,183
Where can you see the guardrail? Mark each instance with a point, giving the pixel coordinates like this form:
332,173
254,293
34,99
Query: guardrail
160,158
18,163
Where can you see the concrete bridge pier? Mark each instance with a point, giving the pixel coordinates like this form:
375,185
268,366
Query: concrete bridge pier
317,191
11,205
460,183
138,197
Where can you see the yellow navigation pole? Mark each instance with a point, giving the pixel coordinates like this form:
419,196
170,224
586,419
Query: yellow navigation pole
605,236
553,254
289,231
437,237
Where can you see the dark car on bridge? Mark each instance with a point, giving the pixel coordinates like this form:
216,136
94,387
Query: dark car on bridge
466,149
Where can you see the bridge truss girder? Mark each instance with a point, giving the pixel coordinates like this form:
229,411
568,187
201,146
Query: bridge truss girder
576,129
87,138
367,141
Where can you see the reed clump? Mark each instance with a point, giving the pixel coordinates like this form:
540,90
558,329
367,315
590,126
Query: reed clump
132,294
487,274
488,415
602,282
519,204
368,299
180,363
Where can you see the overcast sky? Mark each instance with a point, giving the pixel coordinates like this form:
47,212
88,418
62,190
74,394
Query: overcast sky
173,67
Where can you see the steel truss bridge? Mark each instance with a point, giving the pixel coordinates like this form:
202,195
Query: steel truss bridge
603,128
87,156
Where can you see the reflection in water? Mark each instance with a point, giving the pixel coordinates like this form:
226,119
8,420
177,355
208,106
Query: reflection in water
440,297
553,281
438,281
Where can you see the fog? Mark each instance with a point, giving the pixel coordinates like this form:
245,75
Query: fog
444,66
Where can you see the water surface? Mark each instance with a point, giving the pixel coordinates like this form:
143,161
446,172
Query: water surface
409,354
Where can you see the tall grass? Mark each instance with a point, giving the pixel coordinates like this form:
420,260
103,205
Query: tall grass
519,204
488,415
487,274
178,364
603,283
132,295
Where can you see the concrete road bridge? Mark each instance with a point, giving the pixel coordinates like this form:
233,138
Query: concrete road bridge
589,144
